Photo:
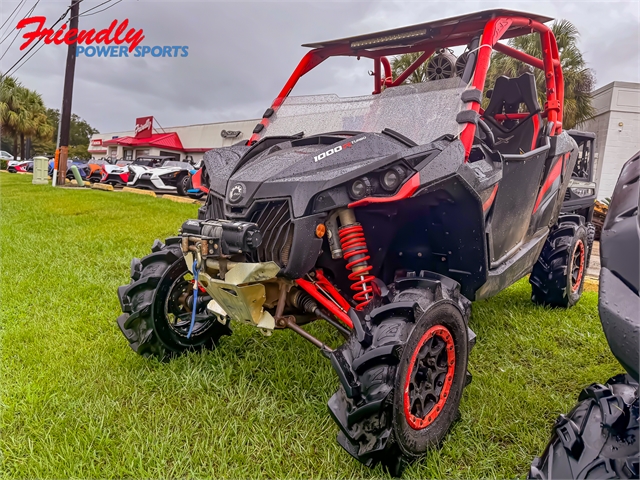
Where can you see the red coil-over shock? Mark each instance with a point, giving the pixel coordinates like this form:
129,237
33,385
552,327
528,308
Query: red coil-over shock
356,253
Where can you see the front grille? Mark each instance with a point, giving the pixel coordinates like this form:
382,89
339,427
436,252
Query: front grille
274,221
567,195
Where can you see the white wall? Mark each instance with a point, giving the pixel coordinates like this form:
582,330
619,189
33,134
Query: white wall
617,129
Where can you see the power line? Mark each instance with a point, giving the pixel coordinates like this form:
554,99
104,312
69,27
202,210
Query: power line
17,31
14,11
85,14
20,66
8,72
93,8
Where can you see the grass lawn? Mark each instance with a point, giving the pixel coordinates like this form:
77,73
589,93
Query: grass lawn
75,401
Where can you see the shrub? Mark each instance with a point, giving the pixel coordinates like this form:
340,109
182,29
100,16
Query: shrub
4,164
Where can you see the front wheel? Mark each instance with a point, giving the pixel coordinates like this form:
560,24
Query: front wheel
407,380
183,185
157,306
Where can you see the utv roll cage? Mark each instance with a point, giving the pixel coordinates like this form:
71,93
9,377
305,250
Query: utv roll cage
429,37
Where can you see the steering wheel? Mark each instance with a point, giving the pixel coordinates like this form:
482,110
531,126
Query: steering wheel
489,139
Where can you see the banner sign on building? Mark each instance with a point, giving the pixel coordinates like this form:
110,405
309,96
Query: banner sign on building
144,127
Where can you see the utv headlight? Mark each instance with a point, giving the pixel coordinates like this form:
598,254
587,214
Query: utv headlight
582,188
582,192
392,178
360,188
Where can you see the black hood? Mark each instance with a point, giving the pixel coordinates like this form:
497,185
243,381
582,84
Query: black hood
297,168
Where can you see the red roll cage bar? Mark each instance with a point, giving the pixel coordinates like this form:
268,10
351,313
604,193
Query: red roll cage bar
427,37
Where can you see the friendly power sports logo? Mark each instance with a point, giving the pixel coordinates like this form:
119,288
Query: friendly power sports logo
113,41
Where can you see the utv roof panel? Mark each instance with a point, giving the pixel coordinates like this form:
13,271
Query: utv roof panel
429,32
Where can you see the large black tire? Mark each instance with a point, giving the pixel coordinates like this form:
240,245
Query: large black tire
426,321
153,321
591,236
599,437
557,278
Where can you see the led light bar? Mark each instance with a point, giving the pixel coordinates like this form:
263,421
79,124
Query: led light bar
389,38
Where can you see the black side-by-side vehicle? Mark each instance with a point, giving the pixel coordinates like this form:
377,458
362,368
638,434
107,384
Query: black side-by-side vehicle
385,216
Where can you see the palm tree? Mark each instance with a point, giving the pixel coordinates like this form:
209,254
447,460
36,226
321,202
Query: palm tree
400,63
578,79
22,114
10,107
34,121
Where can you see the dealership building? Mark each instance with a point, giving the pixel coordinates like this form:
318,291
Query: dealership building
617,128
181,142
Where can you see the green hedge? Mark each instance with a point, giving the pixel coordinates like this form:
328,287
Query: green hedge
3,164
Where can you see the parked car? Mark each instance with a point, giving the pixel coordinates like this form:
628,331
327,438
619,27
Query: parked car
24,167
4,155
82,168
95,170
160,173
115,174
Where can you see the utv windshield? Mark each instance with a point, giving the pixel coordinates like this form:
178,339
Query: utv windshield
419,111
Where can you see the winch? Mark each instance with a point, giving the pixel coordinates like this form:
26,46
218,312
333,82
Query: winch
219,238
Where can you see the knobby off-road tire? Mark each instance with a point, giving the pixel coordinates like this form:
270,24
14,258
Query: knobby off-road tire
408,367
558,276
154,320
591,236
599,437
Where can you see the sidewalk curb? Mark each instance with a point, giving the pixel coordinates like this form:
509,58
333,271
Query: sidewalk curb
139,191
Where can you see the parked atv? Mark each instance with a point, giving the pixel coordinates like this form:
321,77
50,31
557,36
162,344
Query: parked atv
384,215
580,197
599,437
162,174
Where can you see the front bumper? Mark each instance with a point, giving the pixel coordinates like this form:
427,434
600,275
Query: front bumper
151,184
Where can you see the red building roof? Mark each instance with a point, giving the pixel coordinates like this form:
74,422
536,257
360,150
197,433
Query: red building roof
169,140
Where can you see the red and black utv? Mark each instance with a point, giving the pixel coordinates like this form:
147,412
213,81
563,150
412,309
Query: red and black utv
384,215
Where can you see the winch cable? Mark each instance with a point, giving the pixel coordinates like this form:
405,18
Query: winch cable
195,298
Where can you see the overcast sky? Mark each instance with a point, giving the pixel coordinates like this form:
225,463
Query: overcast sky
241,53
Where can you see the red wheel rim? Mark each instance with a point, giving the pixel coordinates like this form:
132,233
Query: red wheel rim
429,377
577,266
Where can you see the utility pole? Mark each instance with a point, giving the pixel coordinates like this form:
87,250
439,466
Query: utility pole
62,152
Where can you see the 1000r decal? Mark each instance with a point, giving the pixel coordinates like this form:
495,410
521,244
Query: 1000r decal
337,149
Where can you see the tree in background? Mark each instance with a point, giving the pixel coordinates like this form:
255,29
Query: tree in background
34,122
400,63
22,115
80,131
10,106
79,135
578,79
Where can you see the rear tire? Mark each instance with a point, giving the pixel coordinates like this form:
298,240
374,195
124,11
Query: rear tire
154,320
591,235
558,276
598,438
401,386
